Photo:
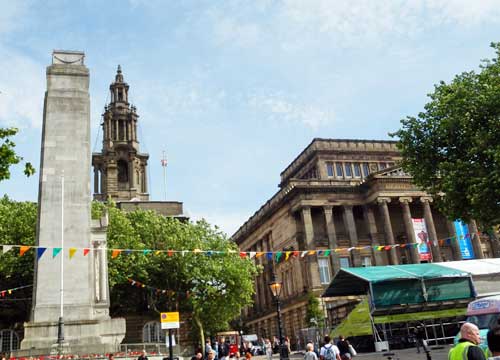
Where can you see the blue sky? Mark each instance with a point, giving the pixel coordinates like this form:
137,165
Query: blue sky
233,90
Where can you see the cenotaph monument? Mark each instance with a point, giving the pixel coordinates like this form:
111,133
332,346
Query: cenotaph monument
82,324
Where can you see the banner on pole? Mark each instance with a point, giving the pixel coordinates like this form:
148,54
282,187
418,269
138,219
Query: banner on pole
463,239
422,237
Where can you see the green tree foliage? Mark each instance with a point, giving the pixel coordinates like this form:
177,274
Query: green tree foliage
8,156
17,226
314,313
212,287
452,149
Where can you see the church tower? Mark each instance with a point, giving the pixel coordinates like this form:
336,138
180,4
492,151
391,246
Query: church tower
120,168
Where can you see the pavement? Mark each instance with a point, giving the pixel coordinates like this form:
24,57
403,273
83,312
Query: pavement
436,353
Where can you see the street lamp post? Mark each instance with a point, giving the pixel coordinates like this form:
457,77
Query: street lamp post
275,287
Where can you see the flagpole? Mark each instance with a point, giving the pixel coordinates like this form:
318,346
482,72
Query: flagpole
60,325
164,165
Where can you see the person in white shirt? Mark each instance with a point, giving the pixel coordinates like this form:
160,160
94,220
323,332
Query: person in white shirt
329,351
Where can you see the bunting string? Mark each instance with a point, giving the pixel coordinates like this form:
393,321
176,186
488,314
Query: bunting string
157,291
6,292
277,256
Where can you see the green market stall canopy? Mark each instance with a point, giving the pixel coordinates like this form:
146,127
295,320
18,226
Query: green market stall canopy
402,288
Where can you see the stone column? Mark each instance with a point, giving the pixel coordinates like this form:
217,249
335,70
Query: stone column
475,240
96,180
410,234
332,239
429,221
312,261
260,281
455,246
350,225
372,232
389,236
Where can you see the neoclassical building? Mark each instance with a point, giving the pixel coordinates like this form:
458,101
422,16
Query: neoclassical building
340,194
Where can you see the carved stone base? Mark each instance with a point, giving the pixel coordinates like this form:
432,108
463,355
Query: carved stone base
80,337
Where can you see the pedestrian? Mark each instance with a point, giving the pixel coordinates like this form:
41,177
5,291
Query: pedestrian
110,356
287,345
223,349
143,355
208,347
493,338
343,346
420,338
211,355
329,351
269,349
216,349
310,354
197,356
467,347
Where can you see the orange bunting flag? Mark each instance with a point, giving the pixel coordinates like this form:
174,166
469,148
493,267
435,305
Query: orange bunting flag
86,251
170,252
23,250
296,253
115,253
312,252
72,252
259,254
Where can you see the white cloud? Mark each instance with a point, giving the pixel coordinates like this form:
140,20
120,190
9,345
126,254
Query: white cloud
22,90
295,24
280,108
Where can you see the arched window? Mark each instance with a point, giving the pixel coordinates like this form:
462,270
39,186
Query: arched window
9,340
122,171
152,333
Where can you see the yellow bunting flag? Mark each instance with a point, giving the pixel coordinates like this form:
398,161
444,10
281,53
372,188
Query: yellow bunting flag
287,255
157,252
23,250
115,253
72,252
312,252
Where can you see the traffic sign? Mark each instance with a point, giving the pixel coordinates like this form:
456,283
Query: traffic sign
169,320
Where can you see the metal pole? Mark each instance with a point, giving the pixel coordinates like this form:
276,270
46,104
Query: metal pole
164,164
283,349
170,347
60,325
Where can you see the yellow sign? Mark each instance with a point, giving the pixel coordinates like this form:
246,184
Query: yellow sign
169,320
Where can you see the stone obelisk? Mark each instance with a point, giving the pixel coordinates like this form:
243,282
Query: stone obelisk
64,221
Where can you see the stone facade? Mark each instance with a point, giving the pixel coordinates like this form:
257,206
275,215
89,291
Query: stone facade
338,194
120,169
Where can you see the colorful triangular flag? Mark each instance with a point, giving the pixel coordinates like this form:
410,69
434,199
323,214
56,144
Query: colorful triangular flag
23,249
55,252
72,252
39,252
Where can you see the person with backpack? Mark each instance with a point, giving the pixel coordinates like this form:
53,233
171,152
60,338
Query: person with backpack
329,351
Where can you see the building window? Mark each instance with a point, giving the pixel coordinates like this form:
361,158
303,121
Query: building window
8,340
345,262
152,333
340,172
366,169
382,166
329,169
366,261
348,169
357,170
324,270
